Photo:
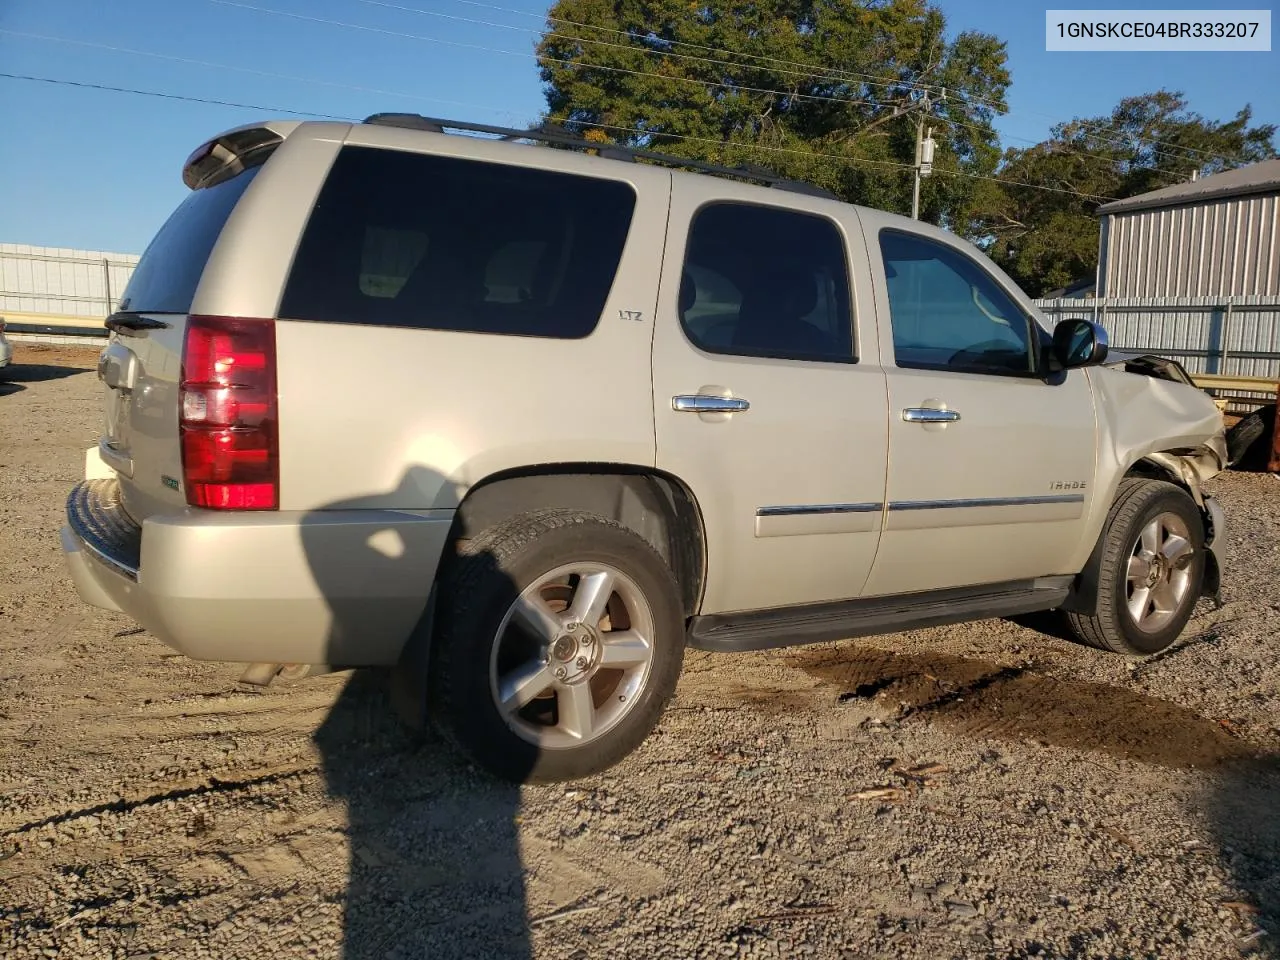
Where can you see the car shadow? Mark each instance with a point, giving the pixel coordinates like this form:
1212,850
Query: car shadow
435,867
1243,807
6,387
40,372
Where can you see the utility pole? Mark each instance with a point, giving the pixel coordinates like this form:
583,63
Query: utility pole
924,155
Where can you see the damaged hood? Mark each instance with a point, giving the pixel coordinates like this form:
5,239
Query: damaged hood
1148,408
1148,364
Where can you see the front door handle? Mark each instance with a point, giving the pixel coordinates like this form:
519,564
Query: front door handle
929,415
702,403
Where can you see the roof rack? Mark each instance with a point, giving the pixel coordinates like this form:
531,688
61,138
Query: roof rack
552,134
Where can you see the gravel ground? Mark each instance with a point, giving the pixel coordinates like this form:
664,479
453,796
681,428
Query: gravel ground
985,790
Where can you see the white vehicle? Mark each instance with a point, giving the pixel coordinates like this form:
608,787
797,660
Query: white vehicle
6,352
521,422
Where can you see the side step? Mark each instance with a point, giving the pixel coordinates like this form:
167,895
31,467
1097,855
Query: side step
843,619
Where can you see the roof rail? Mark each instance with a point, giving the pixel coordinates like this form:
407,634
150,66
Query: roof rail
552,134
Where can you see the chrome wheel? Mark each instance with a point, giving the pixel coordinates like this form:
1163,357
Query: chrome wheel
1159,572
572,655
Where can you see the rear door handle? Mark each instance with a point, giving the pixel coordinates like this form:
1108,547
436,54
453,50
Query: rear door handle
702,403
929,415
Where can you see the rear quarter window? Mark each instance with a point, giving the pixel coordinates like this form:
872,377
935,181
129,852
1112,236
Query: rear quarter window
415,240
166,277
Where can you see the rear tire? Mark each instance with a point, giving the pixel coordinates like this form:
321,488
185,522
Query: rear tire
1150,562
559,637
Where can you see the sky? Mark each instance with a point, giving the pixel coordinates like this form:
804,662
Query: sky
98,170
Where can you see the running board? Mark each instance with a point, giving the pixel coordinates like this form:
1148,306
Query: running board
865,617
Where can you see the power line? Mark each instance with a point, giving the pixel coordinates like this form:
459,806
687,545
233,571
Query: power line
823,70
997,105
1185,151
828,74
252,70
836,156
173,96
516,53
623,70
1110,162
299,113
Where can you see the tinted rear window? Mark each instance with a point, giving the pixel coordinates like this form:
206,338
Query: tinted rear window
167,275
413,240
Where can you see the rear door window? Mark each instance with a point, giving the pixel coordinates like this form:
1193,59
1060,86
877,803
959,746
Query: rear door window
416,240
766,282
166,277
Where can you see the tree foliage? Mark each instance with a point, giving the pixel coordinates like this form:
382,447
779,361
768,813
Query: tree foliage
1046,239
737,82
830,92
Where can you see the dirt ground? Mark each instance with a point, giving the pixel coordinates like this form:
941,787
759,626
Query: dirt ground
986,790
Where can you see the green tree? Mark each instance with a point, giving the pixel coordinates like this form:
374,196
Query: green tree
1046,239
826,91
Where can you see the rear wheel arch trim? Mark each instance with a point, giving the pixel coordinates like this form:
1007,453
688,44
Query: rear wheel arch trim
626,493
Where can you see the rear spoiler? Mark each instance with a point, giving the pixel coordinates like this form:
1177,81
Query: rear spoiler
235,150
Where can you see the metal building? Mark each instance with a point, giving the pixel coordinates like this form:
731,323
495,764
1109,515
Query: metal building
46,289
1213,237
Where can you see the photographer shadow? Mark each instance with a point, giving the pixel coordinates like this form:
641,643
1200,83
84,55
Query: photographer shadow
1243,807
435,867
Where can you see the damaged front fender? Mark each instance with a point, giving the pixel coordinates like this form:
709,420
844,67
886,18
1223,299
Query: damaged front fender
1193,468
1171,424
1156,426
1161,427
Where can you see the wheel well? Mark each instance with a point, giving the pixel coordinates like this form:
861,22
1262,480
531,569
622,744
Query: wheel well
1150,470
656,506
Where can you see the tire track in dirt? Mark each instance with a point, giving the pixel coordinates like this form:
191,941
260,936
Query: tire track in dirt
209,783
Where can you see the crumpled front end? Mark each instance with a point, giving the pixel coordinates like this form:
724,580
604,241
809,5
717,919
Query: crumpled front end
1175,425
1165,428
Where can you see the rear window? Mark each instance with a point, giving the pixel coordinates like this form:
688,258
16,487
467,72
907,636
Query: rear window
166,277
413,240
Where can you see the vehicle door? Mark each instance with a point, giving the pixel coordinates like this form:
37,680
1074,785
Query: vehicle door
762,404
990,459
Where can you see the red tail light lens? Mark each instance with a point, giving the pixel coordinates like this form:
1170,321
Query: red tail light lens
230,438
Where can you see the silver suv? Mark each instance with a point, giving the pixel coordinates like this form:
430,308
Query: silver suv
520,422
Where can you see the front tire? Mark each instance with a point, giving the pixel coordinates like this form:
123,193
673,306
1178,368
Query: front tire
559,640
1149,568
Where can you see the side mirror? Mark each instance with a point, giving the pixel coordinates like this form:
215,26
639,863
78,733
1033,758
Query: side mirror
1079,343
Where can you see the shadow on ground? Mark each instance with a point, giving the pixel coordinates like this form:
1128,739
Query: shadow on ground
977,698
19,373
1244,809
982,699
435,861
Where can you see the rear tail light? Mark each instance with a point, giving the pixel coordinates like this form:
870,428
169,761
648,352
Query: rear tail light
230,437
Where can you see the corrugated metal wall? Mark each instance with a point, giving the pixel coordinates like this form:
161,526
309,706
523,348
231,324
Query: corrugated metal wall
1217,248
1237,335
62,282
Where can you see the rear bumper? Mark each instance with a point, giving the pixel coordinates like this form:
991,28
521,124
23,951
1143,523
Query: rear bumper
340,587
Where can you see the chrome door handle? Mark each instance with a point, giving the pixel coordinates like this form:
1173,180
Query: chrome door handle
929,415
703,403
